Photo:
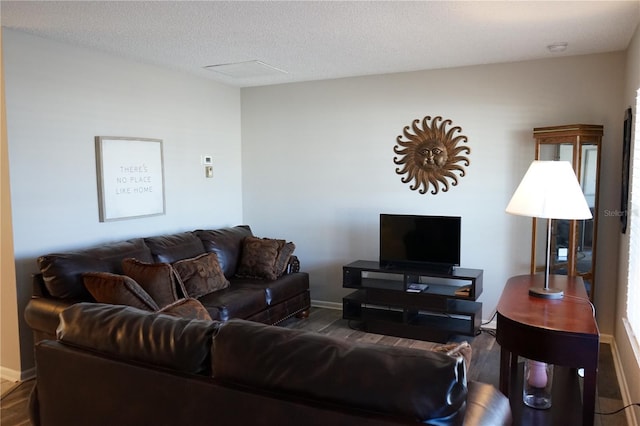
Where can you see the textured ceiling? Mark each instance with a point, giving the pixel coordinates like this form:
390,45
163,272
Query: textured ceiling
313,40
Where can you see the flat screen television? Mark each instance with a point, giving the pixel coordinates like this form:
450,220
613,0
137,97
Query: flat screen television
422,242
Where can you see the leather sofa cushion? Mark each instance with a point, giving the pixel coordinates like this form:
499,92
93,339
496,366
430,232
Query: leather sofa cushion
177,343
285,287
201,275
118,290
433,385
186,308
174,247
234,302
62,272
227,244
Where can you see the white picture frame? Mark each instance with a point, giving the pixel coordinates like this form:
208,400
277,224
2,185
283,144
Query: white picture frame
130,177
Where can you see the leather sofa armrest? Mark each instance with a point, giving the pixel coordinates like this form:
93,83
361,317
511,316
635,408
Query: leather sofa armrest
43,315
176,343
293,265
38,286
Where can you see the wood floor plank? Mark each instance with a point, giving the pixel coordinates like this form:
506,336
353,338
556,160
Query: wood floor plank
14,405
338,329
389,340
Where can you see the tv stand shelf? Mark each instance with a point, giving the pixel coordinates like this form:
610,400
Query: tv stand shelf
383,303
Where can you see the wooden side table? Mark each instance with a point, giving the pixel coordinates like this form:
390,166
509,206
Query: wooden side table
560,332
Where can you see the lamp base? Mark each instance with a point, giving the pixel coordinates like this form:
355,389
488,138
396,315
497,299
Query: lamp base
546,293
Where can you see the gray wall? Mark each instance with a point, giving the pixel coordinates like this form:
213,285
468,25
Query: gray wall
310,162
626,343
58,98
318,161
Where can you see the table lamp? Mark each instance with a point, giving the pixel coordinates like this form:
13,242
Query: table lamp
549,190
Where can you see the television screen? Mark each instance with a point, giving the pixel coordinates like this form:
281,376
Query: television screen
431,242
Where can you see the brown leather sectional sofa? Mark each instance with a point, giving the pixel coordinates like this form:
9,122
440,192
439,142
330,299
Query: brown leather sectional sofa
202,372
60,281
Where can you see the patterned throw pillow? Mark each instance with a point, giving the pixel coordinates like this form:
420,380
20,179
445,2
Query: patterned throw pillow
284,254
201,275
456,349
116,289
264,257
258,258
186,308
158,279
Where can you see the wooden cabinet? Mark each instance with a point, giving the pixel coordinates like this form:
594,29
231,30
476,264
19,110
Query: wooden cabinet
573,242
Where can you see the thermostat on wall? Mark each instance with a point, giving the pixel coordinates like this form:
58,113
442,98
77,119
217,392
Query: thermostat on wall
207,160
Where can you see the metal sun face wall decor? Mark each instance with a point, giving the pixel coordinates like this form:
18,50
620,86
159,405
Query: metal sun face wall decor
430,155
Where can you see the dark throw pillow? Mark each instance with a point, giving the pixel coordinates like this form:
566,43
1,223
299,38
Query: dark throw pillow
116,289
158,279
201,275
264,257
186,308
284,254
258,259
462,349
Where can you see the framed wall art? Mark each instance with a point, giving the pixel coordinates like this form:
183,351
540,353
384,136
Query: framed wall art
130,177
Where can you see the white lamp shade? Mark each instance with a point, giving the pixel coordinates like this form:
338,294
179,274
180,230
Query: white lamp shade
549,190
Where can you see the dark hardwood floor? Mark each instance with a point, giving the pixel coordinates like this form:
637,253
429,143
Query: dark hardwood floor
14,405
484,366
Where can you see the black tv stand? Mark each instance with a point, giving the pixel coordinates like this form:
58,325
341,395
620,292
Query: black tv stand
436,268
383,304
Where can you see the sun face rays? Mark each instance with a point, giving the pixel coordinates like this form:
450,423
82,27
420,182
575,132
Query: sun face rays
429,155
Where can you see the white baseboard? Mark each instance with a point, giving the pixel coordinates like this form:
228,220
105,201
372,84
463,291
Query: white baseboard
17,376
607,338
491,325
622,382
10,374
327,305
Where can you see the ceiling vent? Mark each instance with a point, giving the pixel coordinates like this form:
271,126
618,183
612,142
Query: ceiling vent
247,69
558,47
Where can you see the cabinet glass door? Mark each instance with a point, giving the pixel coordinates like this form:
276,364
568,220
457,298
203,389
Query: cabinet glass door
573,242
560,235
